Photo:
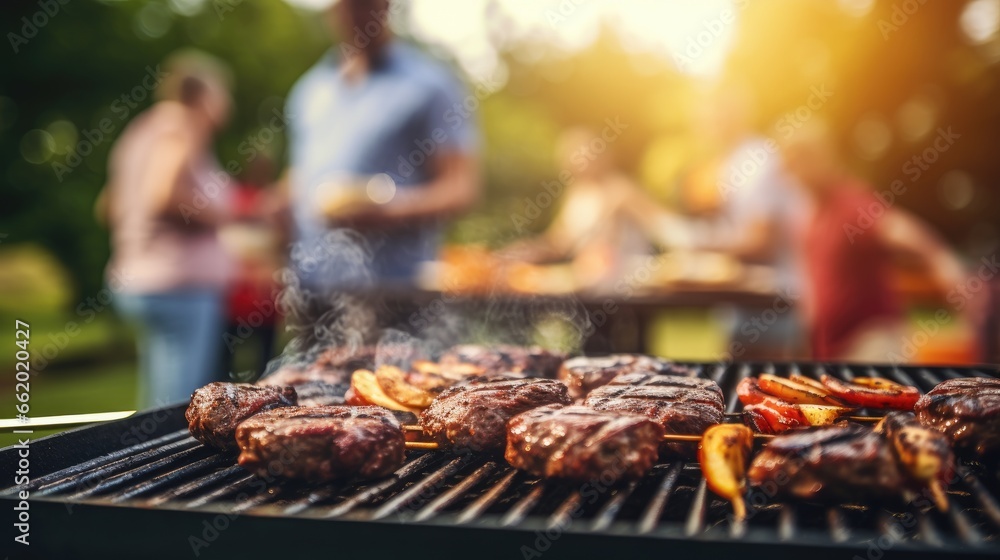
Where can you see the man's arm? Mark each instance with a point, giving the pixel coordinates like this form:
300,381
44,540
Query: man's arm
905,233
454,189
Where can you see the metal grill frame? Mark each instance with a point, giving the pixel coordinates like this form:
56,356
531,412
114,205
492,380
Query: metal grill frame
142,485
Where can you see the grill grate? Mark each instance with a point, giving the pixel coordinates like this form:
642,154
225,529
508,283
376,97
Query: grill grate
173,472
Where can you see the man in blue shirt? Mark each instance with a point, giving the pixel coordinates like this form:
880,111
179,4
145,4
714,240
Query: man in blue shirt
382,142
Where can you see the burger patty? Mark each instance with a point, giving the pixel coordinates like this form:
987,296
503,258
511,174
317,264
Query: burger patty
323,443
217,408
967,412
580,443
679,409
583,374
473,415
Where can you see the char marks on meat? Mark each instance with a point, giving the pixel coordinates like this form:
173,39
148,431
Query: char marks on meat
319,444
681,405
967,412
503,358
583,374
841,463
217,408
580,443
473,415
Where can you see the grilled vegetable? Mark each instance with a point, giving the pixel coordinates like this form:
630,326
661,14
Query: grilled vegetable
723,453
814,383
924,453
869,392
773,416
749,391
794,392
394,383
365,388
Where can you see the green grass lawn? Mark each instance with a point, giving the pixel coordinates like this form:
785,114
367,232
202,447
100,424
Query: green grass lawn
93,389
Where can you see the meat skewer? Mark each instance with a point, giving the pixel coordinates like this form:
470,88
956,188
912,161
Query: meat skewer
682,405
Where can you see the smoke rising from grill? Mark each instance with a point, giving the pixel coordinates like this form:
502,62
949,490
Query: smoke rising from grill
404,329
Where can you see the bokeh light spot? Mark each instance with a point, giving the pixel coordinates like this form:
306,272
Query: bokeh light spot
37,146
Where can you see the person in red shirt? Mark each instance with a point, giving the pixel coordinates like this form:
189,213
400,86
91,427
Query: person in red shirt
852,238
253,240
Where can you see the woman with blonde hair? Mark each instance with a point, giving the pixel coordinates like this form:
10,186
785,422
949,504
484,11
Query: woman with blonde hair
165,199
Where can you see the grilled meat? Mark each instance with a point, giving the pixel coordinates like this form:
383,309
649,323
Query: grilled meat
503,358
583,374
579,443
217,408
473,415
647,379
318,444
829,463
681,405
967,412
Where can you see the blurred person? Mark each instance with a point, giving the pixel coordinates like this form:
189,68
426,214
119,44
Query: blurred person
594,227
741,203
164,201
852,308
254,240
382,143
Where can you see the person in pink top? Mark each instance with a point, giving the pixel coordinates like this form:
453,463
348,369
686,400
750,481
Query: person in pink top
165,199
852,307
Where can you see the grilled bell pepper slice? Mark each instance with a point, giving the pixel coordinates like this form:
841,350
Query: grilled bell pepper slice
869,393
773,416
724,452
749,392
814,383
794,392
925,454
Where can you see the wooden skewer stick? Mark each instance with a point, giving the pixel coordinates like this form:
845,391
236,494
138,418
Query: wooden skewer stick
678,438
422,445
412,428
872,419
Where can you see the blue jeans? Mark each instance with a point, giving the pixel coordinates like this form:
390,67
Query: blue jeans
179,338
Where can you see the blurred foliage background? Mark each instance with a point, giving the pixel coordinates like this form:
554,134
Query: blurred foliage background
898,70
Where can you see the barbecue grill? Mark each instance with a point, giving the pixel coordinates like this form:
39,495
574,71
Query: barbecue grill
142,487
